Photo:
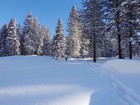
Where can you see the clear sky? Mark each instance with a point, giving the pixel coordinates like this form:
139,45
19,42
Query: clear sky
48,11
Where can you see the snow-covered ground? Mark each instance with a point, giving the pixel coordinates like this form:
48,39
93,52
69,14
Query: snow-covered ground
33,80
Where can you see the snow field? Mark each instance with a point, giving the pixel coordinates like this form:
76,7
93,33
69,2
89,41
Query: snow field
33,80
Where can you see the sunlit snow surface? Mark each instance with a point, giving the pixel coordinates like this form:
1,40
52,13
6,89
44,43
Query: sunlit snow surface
33,80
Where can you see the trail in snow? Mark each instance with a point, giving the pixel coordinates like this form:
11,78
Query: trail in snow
125,93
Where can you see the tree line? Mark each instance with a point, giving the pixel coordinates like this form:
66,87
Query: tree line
101,28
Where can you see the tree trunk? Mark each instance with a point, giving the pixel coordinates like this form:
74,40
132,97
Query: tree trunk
118,29
94,48
130,50
131,32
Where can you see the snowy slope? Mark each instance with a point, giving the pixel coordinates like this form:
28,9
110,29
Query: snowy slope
123,66
127,73
33,80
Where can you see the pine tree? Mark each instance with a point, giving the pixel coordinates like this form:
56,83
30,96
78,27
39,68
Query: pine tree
31,38
27,48
59,41
124,18
36,37
93,25
3,36
109,41
12,46
113,16
116,11
127,25
74,33
46,40
135,41
84,46
20,35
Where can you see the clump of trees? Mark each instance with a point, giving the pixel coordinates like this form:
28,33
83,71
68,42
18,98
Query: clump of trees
102,28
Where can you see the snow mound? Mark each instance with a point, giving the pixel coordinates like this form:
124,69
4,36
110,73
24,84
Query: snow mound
123,66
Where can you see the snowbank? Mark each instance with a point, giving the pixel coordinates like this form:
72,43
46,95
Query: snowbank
123,66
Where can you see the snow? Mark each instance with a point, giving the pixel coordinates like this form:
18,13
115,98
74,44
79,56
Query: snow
134,1
123,66
137,20
124,76
138,33
33,80
124,3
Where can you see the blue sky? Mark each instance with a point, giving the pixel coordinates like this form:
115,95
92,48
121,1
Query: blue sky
48,11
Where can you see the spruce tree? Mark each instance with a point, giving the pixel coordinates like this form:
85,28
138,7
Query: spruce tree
135,40
93,25
3,36
127,25
124,15
27,33
113,15
74,33
12,46
36,37
45,40
109,37
31,38
116,20
20,35
59,41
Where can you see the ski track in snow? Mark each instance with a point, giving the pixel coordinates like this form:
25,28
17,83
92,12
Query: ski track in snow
124,92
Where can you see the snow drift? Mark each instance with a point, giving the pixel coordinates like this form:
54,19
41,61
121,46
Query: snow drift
123,66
